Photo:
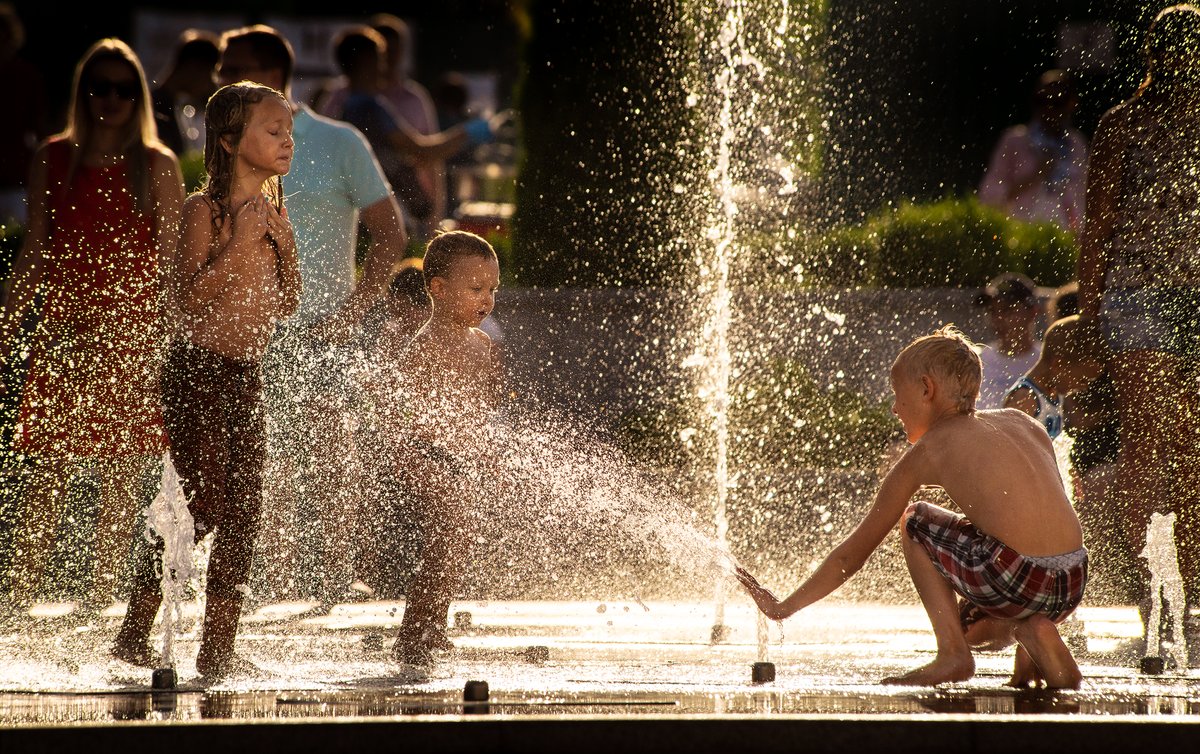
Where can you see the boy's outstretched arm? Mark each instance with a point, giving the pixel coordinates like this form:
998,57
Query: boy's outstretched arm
847,558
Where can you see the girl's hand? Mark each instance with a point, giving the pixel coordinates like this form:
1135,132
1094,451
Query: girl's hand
250,220
279,228
767,602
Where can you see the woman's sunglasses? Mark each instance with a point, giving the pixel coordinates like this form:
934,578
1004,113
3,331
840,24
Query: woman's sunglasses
101,88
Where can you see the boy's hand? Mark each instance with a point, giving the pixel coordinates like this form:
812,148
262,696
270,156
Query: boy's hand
767,602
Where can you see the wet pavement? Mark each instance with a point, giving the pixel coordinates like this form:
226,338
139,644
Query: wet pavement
626,663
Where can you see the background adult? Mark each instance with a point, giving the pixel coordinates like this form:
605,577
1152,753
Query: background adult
26,118
1038,170
1139,271
335,183
1012,347
423,184
104,198
181,95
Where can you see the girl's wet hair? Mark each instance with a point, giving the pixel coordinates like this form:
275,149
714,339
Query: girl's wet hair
951,359
225,118
447,247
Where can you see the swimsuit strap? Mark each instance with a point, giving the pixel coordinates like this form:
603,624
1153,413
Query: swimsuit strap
1053,422
1038,392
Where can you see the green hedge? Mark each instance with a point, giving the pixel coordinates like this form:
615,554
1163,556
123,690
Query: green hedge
951,242
779,416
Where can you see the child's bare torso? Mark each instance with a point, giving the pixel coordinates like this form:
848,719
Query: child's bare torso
999,467
449,387
240,322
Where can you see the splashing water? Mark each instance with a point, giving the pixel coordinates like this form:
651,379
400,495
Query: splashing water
168,518
552,488
1166,585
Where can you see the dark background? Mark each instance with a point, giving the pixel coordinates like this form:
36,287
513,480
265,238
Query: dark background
917,92
447,34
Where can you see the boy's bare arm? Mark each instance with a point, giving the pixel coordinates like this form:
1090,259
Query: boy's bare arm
898,487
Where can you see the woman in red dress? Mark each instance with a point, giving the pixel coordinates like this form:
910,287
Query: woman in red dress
104,204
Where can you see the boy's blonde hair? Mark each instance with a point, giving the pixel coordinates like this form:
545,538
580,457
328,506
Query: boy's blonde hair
951,359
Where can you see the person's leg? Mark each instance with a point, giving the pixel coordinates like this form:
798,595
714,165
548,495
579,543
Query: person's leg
1040,639
990,634
1151,402
121,492
427,599
192,438
237,528
132,642
282,547
332,472
954,661
42,503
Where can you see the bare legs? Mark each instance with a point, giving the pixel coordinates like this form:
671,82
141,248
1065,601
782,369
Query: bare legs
116,522
44,501
1041,654
1158,468
954,661
446,538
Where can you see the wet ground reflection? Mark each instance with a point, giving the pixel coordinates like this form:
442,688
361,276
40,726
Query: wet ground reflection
567,659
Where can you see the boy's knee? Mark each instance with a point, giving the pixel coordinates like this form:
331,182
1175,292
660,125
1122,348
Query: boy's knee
911,511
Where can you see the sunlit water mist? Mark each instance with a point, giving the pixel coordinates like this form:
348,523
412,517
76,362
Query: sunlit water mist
559,491
182,567
741,82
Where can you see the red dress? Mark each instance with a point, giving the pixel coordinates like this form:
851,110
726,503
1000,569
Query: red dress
92,387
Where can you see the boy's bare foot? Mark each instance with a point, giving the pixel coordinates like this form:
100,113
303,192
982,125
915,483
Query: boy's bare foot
1025,671
1040,638
944,669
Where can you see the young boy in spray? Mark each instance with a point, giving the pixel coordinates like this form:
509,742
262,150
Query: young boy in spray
1010,567
436,400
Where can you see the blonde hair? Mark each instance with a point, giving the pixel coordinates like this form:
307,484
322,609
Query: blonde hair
140,130
951,359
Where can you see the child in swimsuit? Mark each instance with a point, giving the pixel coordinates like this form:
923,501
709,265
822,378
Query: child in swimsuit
1073,357
1014,558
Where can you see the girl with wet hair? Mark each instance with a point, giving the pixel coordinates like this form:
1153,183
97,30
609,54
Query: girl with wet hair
237,277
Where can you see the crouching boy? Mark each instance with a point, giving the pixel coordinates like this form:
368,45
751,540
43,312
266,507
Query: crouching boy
1010,567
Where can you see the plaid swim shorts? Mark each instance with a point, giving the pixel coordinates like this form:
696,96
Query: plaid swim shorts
993,579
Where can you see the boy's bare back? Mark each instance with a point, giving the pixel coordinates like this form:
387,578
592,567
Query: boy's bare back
999,467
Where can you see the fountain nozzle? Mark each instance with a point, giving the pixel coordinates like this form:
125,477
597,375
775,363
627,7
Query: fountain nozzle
762,672
163,679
